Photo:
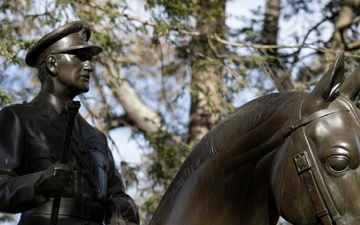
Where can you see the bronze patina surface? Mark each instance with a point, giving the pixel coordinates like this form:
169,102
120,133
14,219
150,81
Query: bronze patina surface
32,135
292,154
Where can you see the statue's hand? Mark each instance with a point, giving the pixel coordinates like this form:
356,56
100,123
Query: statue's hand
122,210
129,212
54,180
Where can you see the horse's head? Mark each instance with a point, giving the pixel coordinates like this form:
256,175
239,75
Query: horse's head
316,174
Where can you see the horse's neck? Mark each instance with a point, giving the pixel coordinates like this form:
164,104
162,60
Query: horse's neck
240,148
249,133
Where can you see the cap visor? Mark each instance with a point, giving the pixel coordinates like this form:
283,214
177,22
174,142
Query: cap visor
94,49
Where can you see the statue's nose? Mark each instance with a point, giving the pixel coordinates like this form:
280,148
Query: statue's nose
88,66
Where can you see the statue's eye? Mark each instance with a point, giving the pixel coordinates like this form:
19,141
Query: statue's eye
84,56
338,163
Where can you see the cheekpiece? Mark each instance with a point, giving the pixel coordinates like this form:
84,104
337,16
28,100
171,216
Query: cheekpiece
72,36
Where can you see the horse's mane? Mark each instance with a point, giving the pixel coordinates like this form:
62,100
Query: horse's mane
238,124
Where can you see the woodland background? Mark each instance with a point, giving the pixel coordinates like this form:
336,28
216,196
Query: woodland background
171,69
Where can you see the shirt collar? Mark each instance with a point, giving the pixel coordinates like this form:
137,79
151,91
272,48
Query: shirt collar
56,103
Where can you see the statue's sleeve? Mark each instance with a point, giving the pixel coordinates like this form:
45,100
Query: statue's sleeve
17,192
120,206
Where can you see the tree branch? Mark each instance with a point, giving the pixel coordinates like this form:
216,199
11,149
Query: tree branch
211,36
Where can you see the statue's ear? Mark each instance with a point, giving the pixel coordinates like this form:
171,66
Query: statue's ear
331,80
325,90
51,64
351,86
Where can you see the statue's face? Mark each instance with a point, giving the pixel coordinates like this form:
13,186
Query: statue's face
74,70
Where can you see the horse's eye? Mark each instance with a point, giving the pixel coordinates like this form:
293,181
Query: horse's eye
338,163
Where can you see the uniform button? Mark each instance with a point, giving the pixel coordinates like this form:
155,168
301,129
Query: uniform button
86,195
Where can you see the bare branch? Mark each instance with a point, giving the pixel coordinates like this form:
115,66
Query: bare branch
212,36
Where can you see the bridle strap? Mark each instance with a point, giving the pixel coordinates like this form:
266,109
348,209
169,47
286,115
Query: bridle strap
304,121
303,167
307,169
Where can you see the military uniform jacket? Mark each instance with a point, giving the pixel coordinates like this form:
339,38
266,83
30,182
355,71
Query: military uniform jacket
31,139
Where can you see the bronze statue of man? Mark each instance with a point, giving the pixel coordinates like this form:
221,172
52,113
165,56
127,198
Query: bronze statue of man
92,191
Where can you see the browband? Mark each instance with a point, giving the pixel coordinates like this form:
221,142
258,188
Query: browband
318,114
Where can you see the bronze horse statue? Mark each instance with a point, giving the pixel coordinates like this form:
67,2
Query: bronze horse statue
290,154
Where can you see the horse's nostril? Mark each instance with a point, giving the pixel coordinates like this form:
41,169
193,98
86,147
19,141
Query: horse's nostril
338,163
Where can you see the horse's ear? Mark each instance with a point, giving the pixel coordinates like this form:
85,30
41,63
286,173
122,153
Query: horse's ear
326,89
330,81
351,85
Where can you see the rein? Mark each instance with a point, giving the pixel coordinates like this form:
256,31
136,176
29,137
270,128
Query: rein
308,170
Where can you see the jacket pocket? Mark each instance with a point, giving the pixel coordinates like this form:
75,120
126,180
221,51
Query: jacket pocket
98,165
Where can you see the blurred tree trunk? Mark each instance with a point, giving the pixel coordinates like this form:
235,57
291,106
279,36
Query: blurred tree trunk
342,38
206,84
137,113
345,22
273,66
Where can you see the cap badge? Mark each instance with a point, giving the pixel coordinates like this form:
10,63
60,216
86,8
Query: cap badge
83,34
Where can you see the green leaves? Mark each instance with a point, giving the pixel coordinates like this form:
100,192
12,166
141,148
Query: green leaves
174,8
4,98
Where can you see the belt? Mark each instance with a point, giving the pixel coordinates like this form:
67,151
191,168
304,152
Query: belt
71,207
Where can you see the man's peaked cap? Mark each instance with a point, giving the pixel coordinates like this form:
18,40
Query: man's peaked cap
72,36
